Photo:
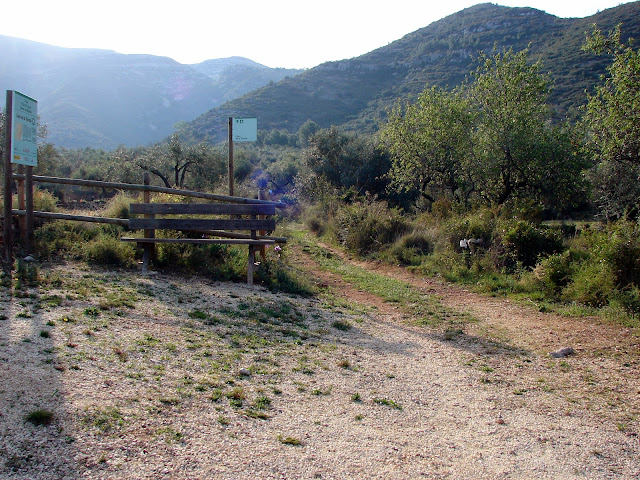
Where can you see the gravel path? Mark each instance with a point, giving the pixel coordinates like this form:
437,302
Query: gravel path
179,378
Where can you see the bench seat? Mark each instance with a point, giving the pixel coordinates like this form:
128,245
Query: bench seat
248,217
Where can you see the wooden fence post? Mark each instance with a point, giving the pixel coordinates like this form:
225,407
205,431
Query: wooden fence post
263,248
28,184
8,179
22,222
149,248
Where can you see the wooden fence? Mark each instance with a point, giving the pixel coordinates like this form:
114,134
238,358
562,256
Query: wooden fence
26,213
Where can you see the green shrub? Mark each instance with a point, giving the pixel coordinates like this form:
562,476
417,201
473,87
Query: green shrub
480,224
554,272
44,201
521,243
592,284
411,247
629,300
364,228
118,206
61,238
107,250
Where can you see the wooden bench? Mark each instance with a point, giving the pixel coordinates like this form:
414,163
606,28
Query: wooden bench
249,217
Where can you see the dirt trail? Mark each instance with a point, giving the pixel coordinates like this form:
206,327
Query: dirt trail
602,375
172,377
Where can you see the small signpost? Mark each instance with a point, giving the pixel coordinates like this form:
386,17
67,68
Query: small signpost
243,129
20,147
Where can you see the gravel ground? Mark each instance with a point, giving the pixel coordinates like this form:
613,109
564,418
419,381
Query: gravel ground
163,376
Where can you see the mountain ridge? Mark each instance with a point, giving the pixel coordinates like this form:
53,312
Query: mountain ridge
102,98
357,92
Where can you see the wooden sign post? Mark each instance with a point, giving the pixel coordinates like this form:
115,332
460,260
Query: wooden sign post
8,176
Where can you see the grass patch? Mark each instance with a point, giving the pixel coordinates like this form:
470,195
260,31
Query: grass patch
289,440
39,417
387,403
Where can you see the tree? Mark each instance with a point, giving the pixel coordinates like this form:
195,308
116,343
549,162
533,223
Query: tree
305,132
346,161
613,112
510,95
492,138
430,144
173,161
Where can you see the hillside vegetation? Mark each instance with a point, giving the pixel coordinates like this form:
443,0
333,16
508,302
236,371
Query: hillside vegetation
102,99
358,92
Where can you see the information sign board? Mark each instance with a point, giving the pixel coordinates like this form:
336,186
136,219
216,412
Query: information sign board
24,130
245,129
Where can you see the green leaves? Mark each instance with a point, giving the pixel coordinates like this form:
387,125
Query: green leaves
612,123
490,141
430,142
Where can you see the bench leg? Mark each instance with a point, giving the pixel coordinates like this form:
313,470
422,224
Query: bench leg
251,264
146,257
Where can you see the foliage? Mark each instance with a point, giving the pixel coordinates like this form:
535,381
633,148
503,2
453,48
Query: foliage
108,250
490,140
615,189
344,161
172,162
365,227
613,112
410,248
521,243
612,121
515,147
430,145
555,272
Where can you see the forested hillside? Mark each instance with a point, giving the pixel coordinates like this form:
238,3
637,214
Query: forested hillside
101,98
358,92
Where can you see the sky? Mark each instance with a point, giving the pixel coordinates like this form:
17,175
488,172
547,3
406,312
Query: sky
275,33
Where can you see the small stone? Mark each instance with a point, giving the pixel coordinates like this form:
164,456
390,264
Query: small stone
563,352
244,372
29,259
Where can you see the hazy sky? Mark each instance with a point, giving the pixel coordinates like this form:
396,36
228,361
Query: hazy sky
276,33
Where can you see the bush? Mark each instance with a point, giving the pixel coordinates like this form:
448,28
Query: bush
521,243
44,201
107,250
118,206
364,228
411,247
554,272
60,238
592,285
480,224
629,300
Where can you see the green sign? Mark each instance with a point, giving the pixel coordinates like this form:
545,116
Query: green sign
245,129
24,130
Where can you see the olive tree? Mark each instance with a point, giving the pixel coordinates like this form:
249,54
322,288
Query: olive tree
430,145
612,123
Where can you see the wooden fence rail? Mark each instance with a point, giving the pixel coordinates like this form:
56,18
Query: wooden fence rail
145,188
25,210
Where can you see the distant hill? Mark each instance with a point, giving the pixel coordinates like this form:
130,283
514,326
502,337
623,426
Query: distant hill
101,98
357,92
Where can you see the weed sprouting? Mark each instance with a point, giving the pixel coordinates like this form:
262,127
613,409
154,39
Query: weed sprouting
289,440
388,403
39,417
